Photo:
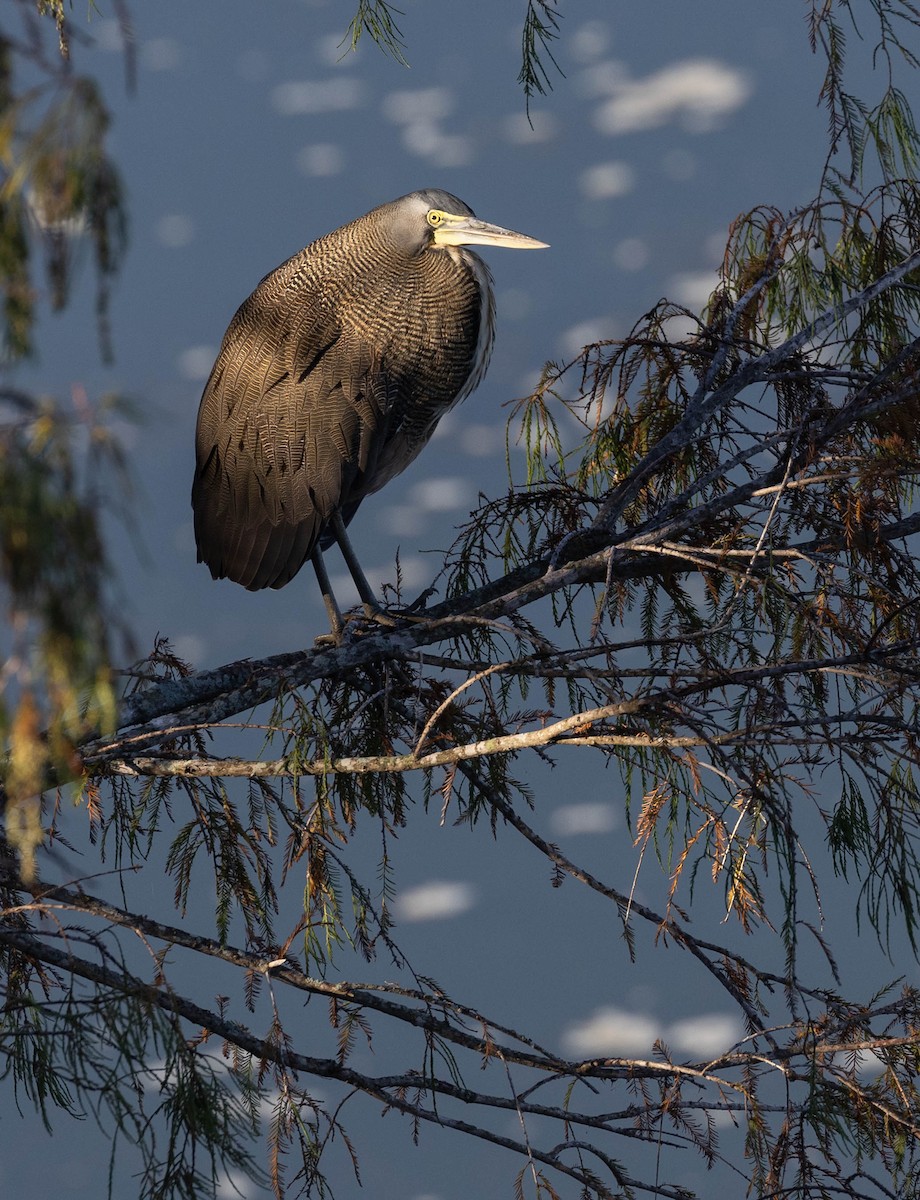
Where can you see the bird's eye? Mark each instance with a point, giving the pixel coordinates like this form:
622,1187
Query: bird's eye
435,218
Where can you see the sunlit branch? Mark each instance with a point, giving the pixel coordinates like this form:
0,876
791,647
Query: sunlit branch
551,733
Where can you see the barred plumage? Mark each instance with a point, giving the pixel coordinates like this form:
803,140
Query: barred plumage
332,377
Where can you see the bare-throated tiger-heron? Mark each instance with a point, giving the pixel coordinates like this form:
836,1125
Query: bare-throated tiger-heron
332,377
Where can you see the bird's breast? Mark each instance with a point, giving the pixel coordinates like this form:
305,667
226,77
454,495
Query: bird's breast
430,327
424,319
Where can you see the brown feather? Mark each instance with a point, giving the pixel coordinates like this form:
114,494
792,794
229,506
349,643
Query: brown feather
331,378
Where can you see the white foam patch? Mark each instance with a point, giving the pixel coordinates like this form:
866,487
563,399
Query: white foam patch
235,1185
523,131
335,50
612,1031
482,441
705,1036
453,150
414,571
692,288
418,104
606,180
441,495
700,92
603,78
869,1064
576,337
426,139
589,41
575,819
190,648
679,328
401,520
299,97
435,901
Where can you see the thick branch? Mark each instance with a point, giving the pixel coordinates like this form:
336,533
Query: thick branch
563,732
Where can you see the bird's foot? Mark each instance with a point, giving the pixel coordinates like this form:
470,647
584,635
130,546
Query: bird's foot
419,604
332,638
380,615
357,623
395,618
360,622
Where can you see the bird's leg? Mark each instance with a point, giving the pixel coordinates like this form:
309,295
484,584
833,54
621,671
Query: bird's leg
333,612
372,606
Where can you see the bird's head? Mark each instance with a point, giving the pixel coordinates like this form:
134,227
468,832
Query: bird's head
435,220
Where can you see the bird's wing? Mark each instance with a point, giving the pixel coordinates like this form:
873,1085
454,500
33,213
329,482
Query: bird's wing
291,417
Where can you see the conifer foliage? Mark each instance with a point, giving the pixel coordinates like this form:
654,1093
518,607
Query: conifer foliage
715,590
